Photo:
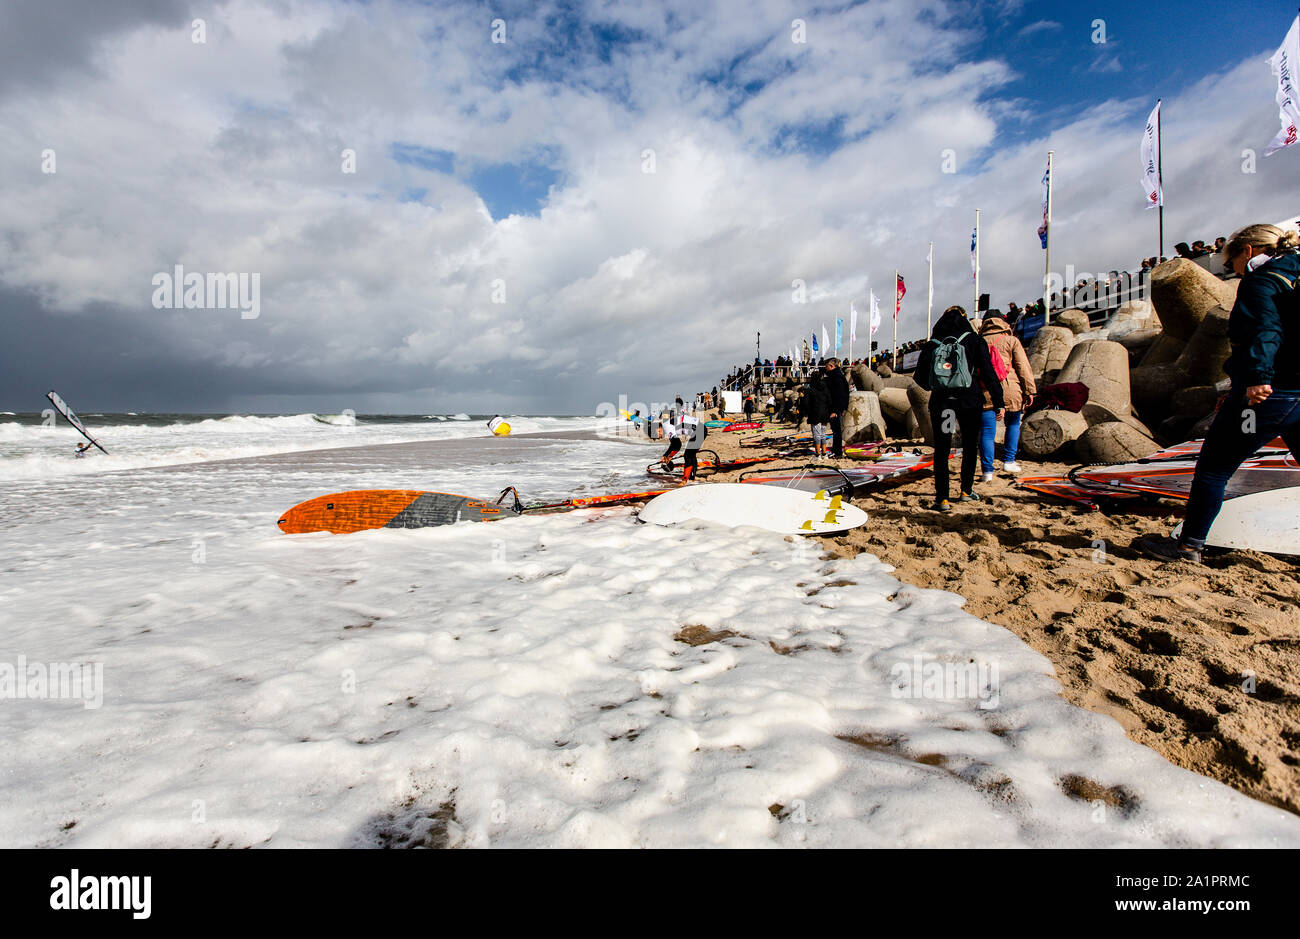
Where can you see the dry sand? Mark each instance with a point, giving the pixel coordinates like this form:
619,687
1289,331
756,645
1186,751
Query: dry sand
1202,664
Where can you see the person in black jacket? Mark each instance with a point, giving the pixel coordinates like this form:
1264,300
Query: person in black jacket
1264,403
952,408
837,387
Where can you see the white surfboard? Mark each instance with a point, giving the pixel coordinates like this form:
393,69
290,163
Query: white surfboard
788,511
1261,521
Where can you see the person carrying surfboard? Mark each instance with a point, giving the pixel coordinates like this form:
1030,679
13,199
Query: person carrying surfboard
955,367
1264,403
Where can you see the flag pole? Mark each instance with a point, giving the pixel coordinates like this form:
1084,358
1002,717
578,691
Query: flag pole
929,306
1160,175
895,365
1047,267
976,307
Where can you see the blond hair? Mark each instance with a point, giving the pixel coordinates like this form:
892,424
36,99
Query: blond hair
1263,239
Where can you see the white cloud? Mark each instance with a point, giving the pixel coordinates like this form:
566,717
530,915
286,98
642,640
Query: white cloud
226,157
1039,26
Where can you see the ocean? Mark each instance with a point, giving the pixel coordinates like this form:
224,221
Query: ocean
174,671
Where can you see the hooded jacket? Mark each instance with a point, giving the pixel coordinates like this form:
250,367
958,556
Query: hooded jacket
1264,327
953,325
1020,377
819,402
837,386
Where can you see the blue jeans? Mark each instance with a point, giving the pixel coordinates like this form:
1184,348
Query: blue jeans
1228,445
989,431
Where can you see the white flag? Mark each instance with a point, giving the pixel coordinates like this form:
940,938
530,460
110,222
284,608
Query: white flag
1284,63
975,251
826,341
875,313
853,323
1151,160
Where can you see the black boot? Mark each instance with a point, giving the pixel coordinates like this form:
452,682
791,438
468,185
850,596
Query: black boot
1170,549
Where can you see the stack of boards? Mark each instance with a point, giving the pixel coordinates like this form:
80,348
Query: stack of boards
790,511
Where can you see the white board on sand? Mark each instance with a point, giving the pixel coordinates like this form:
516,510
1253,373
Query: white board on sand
788,511
731,402
1261,521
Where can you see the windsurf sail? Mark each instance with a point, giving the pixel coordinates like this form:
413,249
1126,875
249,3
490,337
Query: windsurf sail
62,407
850,481
369,509
1168,474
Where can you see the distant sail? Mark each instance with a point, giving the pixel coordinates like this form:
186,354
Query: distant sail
61,406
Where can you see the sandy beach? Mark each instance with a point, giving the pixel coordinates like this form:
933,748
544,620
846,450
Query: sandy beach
1164,649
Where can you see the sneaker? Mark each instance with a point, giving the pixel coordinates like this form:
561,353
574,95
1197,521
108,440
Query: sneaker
988,476
1169,549
943,505
1012,467
968,497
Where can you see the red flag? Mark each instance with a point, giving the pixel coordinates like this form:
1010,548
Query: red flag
899,294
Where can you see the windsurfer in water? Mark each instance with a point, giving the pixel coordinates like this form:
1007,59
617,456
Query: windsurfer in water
83,449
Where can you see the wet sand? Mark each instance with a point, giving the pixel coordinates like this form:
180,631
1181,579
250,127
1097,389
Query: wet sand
462,451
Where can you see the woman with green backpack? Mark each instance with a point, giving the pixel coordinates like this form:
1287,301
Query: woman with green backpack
956,369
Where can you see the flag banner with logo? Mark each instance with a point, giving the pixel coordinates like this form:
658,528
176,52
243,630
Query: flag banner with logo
1047,189
899,295
853,323
1283,65
875,313
839,332
1151,160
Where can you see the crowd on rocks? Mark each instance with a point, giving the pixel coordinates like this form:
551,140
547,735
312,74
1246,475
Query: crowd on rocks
1159,372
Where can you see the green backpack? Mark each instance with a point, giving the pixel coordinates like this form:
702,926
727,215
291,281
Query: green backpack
949,369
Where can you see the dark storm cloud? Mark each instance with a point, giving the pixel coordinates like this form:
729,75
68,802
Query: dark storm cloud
40,39
105,358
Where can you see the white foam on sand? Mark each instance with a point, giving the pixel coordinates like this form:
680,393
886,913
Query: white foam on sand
519,683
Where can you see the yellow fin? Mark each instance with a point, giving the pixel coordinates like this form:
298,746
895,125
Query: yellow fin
835,503
821,496
830,518
806,526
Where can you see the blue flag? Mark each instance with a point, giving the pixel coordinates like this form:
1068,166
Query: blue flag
839,332
814,347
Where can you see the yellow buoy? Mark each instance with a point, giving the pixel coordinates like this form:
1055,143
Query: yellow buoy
499,427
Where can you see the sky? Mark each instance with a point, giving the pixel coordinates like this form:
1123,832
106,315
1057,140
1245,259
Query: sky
610,199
